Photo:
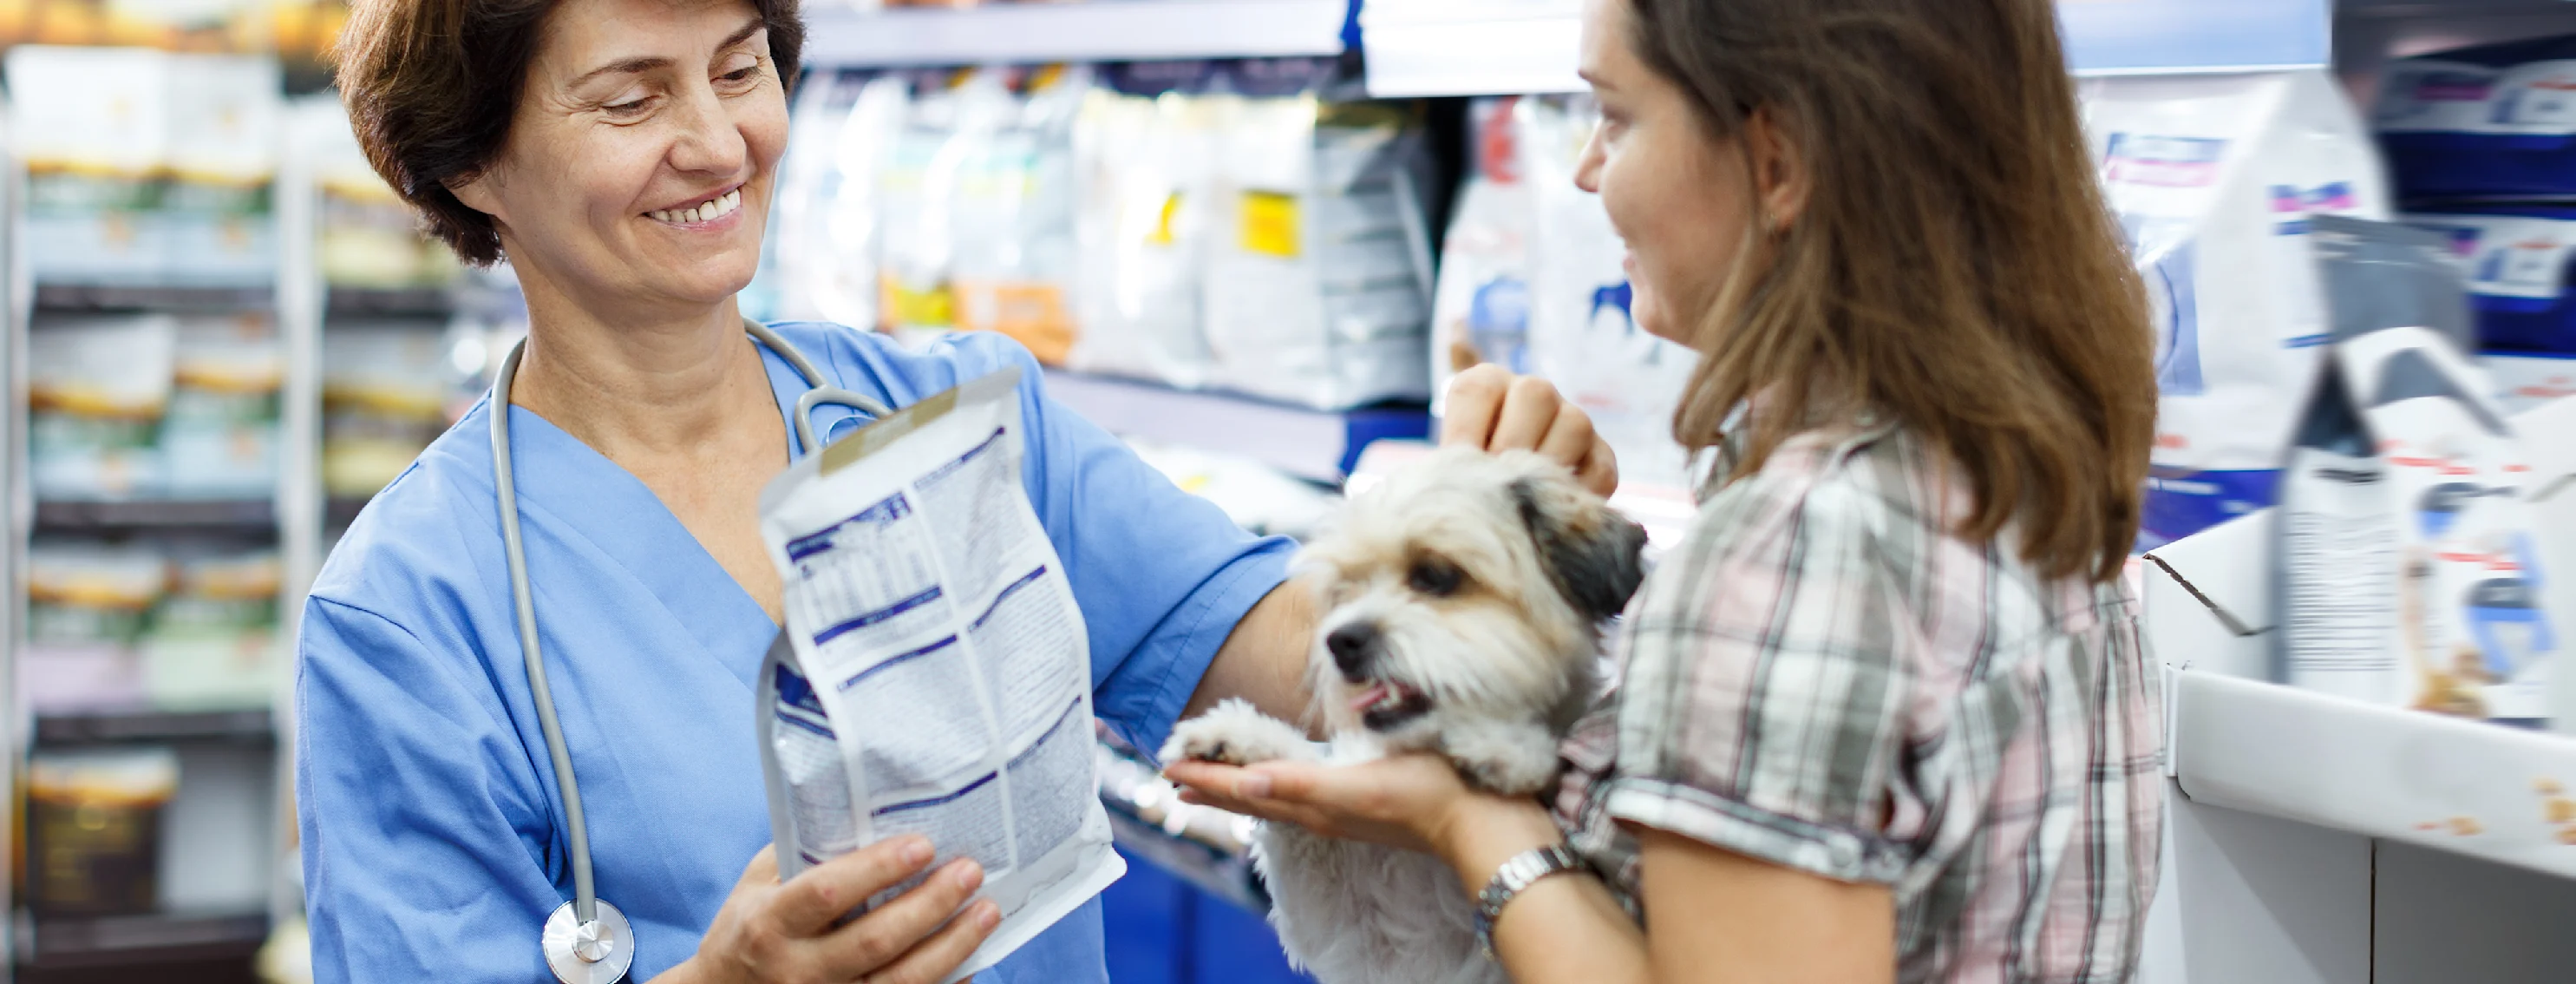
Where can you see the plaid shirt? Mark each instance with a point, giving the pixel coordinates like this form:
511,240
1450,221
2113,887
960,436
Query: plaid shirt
1822,676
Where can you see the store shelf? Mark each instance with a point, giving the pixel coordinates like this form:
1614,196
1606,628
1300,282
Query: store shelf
1311,444
1471,47
127,941
246,515
390,302
82,298
1108,30
102,728
1476,47
2465,787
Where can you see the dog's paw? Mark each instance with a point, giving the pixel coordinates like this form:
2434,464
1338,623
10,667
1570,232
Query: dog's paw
1236,733
1513,761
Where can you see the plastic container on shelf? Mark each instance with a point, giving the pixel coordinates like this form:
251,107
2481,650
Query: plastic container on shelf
94,833
87,605
2516,258
98,387
219,438
213,641
2493,120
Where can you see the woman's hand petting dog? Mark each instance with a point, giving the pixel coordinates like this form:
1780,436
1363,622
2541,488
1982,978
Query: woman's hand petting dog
1493,410
1413,802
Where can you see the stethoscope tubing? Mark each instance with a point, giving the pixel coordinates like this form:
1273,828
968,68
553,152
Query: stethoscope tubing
576,821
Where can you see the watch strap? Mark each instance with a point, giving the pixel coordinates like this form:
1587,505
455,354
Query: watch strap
1515,876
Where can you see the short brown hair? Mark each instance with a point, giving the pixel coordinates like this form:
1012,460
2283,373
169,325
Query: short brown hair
1954,264
432,85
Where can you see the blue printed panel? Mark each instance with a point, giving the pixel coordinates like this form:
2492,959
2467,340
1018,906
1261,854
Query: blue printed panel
2113,37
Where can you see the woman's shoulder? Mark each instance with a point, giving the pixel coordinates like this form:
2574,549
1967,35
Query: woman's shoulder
905,372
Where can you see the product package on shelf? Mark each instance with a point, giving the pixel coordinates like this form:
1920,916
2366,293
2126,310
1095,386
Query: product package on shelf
2515,258
94,830
2524,380
2409,566
826,226
98,387
2215,179
1480,310
1582,336
213,643
217,215
384,399
93,126
2496,120
87,605
1318,279
1145,146
368,237
219,439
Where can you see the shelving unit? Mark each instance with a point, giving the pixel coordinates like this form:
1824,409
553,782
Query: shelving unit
1104,30
1318,445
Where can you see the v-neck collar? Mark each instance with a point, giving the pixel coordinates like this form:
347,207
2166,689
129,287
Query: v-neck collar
565,482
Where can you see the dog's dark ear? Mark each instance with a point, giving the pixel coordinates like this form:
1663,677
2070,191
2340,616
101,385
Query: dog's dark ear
1596,555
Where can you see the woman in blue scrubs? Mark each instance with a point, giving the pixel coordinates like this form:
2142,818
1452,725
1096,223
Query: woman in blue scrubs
622,154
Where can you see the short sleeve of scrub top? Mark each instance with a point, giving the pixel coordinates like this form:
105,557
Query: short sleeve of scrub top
426,806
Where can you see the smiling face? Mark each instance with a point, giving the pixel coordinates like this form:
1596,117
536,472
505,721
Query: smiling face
1678,196
640,160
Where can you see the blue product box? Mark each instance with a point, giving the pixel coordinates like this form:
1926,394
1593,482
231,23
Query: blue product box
2516,259
2494,120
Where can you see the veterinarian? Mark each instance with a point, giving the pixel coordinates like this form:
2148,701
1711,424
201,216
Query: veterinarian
1885,713
622,154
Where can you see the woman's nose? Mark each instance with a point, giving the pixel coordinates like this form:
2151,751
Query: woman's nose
710,139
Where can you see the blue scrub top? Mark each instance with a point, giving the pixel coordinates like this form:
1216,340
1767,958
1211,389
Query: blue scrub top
427,804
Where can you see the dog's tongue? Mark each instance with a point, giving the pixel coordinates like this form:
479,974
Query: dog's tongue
1369,698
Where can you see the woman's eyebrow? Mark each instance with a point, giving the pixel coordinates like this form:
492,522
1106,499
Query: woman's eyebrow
650,62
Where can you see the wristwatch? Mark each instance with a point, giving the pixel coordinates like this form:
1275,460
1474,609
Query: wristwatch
1519,873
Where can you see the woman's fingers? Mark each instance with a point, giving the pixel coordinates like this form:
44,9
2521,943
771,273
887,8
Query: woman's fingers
1600,469
881,938
1530,408
944,950
1569,438
1475,400
826,892
763,869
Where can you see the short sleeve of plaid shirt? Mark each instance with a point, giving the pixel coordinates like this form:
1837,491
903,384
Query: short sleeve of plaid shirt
1764,688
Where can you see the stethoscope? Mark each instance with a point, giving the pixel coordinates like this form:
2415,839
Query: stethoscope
587,941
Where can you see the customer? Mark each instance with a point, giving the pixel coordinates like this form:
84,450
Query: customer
1885,712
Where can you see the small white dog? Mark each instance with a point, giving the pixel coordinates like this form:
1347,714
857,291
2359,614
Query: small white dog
1464,599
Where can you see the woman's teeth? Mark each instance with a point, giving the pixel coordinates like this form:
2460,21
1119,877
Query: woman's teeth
719,207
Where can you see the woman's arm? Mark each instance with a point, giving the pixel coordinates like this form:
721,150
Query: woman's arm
1713,916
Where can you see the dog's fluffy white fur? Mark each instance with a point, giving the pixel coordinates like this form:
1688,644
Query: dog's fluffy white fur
1464,599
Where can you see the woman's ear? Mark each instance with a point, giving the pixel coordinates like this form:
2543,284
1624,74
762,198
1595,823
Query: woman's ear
477,194
1780,175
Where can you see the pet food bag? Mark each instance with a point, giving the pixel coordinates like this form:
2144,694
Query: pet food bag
1318,278
87,605
94,834
93,127
2409,572
2515,258
2491,120
1146,146
219,438
933,677
1582,334
1480,311
217,219
97,389
824,263
2215,179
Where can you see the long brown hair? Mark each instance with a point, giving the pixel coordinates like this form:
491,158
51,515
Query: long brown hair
1954,264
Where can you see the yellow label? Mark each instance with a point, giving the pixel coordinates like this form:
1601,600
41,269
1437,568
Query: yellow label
1035,314
1163,234
1270,224
910,307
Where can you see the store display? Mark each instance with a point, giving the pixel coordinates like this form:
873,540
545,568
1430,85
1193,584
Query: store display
2516,260
2495,120
98,387
1146,146
2410,569
2215,179
384,399
146,168
1317,276
368,237
88,604
219,438
94,830
2525,381
213,642
1480,310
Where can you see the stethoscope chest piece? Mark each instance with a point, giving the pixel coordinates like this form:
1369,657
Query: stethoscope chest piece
598,953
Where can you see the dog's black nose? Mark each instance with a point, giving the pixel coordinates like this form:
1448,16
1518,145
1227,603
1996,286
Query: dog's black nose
1353,645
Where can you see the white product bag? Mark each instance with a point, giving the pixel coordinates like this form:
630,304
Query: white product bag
933,677
2410,570
2214,178
1480,312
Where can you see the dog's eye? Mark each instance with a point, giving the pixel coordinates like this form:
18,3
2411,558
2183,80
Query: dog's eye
1435,578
